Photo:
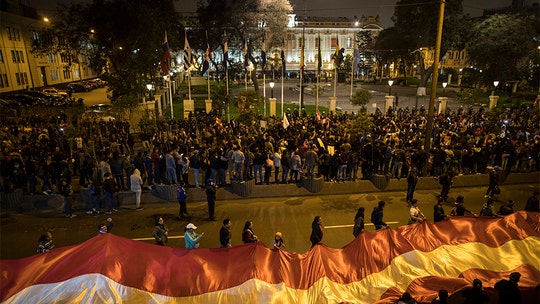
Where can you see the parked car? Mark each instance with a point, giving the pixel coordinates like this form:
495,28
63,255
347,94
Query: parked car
77,87
54,92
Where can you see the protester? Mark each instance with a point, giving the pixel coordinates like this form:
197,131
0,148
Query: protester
316,231
459,209
493,187
509,292
45,242
161,232
248,236
211,199
110,188
377,216
442,297
225,234
438,211
278,241
415,214
358,226
406,298
487,208
533,203
445,180
66,191
412,180
136,186
191,237
182,197
476,294
506,209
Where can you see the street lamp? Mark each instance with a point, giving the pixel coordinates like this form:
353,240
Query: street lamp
390,83
495,84
272,89
444,84
150,87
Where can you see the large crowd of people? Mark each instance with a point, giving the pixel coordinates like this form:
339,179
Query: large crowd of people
43,150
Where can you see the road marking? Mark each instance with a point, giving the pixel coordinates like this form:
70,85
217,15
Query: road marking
348,226
151,239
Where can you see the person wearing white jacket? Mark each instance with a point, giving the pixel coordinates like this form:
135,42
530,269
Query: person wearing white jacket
136,186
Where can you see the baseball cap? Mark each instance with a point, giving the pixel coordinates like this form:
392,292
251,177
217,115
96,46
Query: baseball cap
191,226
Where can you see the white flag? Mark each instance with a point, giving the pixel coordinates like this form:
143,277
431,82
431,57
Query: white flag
285,121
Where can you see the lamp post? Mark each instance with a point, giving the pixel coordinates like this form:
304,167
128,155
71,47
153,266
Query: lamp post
444,84
390,83
495,84
272,89
150,87
167,79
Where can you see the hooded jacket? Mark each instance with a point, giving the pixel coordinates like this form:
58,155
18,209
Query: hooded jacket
136,180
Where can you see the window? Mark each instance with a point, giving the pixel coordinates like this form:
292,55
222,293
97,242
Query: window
18,77
35,37
51,58
13,33
64,57
17,56
22,78
317,41
334,42
348,42
3,81
76,74
54,75
67,74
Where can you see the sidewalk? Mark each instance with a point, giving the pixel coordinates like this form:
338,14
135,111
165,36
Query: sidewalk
167,194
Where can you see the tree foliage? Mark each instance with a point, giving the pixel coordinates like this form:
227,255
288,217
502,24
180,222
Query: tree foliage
244,21
498,44
361,97
415,26
121,39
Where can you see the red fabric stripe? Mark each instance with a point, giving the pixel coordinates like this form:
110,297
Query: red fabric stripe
181,272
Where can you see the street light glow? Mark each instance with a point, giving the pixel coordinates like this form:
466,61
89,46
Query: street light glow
444,84
390,83
496,83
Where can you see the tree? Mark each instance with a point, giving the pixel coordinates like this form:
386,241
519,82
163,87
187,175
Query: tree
361,97
121,38
248,21
415,24
498,44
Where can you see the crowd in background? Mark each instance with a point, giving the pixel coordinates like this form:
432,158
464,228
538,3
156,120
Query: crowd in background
193,150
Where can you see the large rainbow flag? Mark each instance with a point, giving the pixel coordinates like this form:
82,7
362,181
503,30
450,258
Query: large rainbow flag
377,267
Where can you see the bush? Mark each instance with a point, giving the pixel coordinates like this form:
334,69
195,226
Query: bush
361,97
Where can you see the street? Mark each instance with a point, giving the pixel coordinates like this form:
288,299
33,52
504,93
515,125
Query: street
292,216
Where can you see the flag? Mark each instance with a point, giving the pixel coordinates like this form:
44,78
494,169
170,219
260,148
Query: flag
207,57
225,51
187,54
166,56
319,56
246,60
377,266
263,54
285,121
318,115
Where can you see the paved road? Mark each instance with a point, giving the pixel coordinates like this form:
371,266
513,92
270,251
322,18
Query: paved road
292,216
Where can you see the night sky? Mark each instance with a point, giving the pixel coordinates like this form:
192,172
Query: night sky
339,8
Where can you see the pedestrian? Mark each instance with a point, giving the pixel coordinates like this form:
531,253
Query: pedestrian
438,211
225,234
66,192
191,237
358,222
238,159
45,242
248,236
459,209
278,241
412,180
506,209
415,214
161,232
493,187
442,297
311,160
487,208
136,183
377,216
106,227
109,189
406,298
182,197
93,198
316,231
533,203
476,294
509,292
211,198
445,180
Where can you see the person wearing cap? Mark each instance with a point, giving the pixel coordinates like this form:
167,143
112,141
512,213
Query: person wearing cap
278,241
509,292
487,208
506,209
459,209
191,237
